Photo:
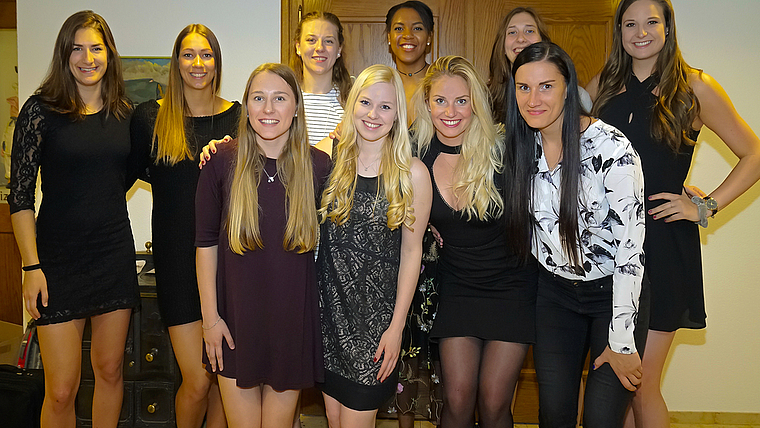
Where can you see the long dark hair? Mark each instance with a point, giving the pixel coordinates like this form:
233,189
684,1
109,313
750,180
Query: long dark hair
340,75
499,66
521,154
59,89
677,106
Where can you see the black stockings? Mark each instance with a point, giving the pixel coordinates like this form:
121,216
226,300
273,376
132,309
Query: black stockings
479,372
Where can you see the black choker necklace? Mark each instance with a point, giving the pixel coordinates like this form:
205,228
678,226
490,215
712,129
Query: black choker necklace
416,72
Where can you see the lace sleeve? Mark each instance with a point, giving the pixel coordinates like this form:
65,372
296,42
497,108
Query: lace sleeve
25,157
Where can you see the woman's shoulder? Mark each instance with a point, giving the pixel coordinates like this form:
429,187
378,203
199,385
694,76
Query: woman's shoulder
145,110
601,137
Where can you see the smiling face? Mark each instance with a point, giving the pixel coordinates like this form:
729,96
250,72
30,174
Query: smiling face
196,62
375,111
408,36
271,106
319,46
643,30
541,89
522,31
450,108
89,58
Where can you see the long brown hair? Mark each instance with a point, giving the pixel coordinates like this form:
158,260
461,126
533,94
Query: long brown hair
341,79
499,66
677,106
395,161
59,89
169,134
294,167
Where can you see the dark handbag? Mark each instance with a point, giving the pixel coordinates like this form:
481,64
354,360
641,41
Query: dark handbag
21,395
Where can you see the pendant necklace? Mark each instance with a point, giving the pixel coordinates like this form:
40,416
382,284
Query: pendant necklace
366,167
416,72
270,178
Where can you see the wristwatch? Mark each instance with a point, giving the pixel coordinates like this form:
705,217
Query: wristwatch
711,205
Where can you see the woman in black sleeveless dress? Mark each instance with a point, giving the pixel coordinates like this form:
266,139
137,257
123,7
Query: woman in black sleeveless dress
650,93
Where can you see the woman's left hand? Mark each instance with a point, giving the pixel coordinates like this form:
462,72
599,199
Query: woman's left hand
627,367
676,207
388,350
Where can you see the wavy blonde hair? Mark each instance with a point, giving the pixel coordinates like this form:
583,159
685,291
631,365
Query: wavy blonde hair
294,166
482,142
169,134
395,158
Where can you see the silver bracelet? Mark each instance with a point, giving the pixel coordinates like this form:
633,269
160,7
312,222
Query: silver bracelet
212,326
701,209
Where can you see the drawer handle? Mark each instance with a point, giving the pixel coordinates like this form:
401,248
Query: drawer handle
131,363
151,355
152,408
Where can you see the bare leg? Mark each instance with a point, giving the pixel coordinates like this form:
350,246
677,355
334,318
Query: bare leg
343,417
61,350
241,405
215,417
278,407
649,408
191,401
109,336
499,370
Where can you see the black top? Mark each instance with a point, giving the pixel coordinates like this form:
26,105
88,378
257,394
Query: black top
173,220
673,257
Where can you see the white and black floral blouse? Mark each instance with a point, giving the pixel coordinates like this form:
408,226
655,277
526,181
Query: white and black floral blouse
610,223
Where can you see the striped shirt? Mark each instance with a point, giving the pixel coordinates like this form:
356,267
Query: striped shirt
323,114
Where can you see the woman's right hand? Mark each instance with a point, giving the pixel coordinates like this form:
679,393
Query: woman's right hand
210,149
213,336
35,284
436,235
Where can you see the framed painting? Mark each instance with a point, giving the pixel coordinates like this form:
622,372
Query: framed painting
145,78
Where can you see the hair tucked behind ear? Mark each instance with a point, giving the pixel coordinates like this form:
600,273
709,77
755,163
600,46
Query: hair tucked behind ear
677,106
482,142
294,167
395,158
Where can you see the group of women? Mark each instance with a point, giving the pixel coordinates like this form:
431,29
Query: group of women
539,204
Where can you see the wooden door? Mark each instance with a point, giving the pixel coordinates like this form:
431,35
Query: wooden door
462,27
11,305
467,28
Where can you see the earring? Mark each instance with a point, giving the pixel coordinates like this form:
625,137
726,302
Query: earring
428,43
338,55
389,43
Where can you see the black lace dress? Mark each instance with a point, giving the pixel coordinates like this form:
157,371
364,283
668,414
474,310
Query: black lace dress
673,250
84,239
357,272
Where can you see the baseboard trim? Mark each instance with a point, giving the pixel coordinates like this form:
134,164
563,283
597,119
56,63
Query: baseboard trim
715,418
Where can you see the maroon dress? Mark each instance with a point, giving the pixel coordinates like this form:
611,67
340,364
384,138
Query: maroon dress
268,297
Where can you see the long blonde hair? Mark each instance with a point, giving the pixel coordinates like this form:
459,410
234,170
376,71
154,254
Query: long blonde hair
395,159
294,167
677,106
169,134
482,142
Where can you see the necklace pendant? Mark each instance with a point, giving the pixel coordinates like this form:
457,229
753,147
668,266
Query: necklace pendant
270,179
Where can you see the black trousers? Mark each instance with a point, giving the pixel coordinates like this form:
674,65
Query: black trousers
573,317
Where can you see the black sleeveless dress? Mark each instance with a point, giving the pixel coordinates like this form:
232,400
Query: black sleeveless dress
485,291
673,253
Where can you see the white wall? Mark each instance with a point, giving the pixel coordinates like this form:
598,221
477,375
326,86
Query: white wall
710,370
248,32
716,369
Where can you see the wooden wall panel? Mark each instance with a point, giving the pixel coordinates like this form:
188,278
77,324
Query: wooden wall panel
10,271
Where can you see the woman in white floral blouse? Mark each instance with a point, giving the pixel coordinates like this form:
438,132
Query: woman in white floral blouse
577,206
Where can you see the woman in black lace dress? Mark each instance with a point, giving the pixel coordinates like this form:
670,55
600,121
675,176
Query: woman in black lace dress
374,212
79,253
649,92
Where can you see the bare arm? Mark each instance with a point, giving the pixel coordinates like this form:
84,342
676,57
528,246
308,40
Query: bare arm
35,284
592,87
719,114
214,327
409,269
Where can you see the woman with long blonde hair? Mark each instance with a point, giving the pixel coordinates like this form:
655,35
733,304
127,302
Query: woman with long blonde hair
649,92
256,230
169,134
374,212
486,315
